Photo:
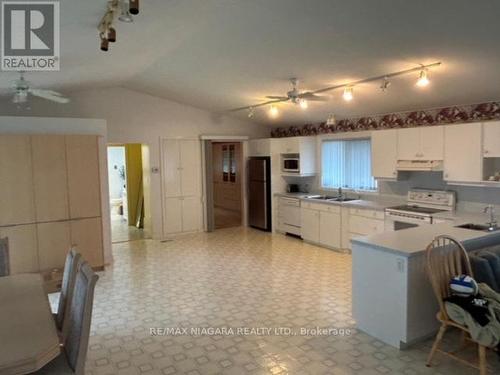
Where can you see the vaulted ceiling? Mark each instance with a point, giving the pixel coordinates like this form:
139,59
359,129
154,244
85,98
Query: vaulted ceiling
220,54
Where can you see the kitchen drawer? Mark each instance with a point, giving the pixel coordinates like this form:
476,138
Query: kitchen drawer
374,214
284,201
287,228
321,207
365,226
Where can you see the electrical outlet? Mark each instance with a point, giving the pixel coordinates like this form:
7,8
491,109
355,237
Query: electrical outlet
400,264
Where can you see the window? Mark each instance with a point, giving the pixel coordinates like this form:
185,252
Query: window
347,164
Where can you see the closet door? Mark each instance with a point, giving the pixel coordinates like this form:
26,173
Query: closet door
54,243
172,217
190,155
17,204
191,214
83,176
171,168
86,235
50,177
22,248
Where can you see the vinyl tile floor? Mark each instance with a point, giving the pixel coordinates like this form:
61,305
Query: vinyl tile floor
203,304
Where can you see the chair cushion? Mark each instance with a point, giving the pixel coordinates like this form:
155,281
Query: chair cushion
58,366
483,272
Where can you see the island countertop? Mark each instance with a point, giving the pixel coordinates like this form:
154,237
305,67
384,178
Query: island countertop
413,241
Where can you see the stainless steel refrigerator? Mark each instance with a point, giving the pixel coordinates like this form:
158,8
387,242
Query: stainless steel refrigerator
259,193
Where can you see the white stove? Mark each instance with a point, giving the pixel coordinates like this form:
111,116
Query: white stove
421,206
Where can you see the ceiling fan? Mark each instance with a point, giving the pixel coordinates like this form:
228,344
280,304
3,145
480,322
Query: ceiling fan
22,90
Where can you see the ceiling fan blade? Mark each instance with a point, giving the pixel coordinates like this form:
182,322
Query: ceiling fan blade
274,97
312,97
50,95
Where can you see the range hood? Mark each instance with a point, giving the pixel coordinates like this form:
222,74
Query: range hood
419,165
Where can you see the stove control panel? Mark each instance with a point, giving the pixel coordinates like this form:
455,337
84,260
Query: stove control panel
432,198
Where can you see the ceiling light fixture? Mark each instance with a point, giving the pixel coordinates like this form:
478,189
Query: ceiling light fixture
348,93
385,84
293,95
107,31
423,80
303,103
125,15
273,111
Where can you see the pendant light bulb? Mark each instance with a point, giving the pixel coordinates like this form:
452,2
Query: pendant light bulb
423,80
348,93
303,103
273,111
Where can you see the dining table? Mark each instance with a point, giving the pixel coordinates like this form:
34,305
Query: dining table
28,334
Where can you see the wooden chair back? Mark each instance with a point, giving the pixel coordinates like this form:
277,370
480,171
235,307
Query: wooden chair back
446,258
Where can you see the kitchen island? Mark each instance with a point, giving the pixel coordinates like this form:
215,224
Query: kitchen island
392,296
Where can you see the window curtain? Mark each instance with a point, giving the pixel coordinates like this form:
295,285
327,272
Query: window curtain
347,164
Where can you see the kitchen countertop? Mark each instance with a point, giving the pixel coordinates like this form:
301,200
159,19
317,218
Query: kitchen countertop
359,203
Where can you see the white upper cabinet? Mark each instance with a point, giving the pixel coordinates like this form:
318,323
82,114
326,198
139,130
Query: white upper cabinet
463,160
491,139
305,147
424,143
384,153
259,147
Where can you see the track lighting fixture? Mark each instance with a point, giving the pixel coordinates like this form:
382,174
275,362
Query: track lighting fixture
348,93
331,119
111,35
107,31
423,80
273,111
385,84
134,7
299,97
104,44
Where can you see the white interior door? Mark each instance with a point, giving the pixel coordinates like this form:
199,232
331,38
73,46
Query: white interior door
171,168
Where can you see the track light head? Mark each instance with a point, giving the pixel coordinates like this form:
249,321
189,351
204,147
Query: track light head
273,111
385,84
104,44
423,80
111,35
134,7
251,112
348,93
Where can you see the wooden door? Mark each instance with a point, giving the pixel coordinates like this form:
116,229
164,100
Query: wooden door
463,159
384,153
17,205
23,251
171,168
86,235
408,143
54,243
191,214
309,220
50,177
432,142
172,216
330,229
83,176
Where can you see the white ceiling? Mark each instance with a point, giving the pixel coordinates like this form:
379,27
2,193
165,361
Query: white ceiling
219,54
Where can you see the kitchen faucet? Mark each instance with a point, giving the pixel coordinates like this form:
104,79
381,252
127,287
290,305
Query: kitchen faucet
493,221
340,193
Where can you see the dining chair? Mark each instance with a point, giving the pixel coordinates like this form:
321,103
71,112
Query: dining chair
4,257
73,260
75,345
446,258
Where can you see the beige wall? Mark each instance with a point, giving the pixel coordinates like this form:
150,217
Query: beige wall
134,117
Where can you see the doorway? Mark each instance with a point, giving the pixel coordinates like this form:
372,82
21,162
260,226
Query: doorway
227,180
128,191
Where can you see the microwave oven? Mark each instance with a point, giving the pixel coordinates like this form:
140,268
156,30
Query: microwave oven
291,164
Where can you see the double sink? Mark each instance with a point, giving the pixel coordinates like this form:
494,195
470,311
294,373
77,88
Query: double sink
329,198
479,227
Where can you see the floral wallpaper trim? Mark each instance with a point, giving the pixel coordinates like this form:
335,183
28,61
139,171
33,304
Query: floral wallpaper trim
440,116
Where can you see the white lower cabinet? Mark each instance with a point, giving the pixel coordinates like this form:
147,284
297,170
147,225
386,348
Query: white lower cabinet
309,219
182,215
365,222
329,229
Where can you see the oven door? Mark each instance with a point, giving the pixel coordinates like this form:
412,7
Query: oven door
399,221
291,165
